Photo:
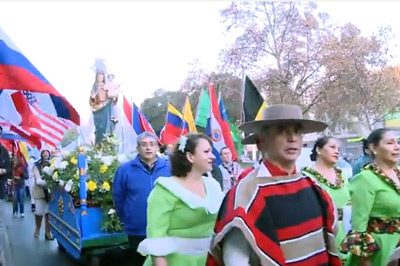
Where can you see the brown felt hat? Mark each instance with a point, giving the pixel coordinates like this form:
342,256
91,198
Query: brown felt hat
283,113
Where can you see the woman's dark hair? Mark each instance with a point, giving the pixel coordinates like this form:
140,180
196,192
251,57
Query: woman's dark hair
375,137
180,165
365,146
43,151
320,143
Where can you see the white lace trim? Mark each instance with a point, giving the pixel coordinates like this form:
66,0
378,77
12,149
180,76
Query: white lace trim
211,202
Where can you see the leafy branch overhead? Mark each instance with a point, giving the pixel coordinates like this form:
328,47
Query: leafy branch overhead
295,54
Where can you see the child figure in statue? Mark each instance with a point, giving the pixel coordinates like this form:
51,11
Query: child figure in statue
112,90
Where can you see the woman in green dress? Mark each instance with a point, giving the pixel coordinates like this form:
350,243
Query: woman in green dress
182,209
375,196
325,155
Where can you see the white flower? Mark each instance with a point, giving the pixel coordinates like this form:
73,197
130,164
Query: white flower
57,162
69,185
111,211
48,170
61,183
182,143
63,165
107,160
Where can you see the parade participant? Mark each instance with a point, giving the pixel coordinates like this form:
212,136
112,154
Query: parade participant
41,195
5,169
20,173
230,170
325,154
363,160
133,183
375,197
275,215
182,209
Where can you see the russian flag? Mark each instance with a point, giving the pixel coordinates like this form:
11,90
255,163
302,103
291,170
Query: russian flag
18,73
215,127
175,126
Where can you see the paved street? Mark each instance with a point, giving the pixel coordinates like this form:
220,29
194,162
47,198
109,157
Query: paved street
21,249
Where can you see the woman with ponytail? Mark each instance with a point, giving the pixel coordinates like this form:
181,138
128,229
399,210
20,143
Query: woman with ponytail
325,154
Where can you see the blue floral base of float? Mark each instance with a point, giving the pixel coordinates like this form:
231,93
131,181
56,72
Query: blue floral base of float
78,231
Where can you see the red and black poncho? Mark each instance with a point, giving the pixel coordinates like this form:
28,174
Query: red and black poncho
286,219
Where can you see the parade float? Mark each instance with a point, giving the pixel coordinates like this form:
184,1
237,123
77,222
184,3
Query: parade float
82,216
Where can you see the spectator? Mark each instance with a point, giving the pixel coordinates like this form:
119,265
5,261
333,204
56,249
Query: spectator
230,170
19,175
5,169
363,160
41,195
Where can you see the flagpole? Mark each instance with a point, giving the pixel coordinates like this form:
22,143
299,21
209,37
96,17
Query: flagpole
242,95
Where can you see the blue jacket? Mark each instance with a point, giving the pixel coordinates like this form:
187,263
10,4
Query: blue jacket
132,185
361,162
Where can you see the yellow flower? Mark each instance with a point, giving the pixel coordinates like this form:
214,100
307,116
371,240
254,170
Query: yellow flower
73,160
52,162
55,176
103,168
91,185
105,186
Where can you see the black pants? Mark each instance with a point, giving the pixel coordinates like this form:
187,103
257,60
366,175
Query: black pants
2,187
134,241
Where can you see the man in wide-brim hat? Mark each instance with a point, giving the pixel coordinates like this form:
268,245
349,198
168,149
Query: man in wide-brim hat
275,215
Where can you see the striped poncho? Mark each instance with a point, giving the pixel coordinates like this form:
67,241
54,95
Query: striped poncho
286,219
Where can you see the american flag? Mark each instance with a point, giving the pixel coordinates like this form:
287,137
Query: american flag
50,129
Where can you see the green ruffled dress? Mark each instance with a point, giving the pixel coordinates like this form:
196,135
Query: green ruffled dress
175,216
340,195
375,196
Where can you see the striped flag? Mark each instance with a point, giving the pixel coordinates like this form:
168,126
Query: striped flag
11,128
34,121
19,74
188,116
217,127
175,126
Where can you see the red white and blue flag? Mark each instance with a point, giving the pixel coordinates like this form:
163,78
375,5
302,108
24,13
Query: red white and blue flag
175,126
22,110
19,74
216,129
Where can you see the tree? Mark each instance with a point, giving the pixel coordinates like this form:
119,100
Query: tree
155,108
296,55
360,87
280,46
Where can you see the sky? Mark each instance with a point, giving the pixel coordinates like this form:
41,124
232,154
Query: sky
146,44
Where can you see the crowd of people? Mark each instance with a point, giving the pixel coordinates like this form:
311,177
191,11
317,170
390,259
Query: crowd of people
181,209
20,178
